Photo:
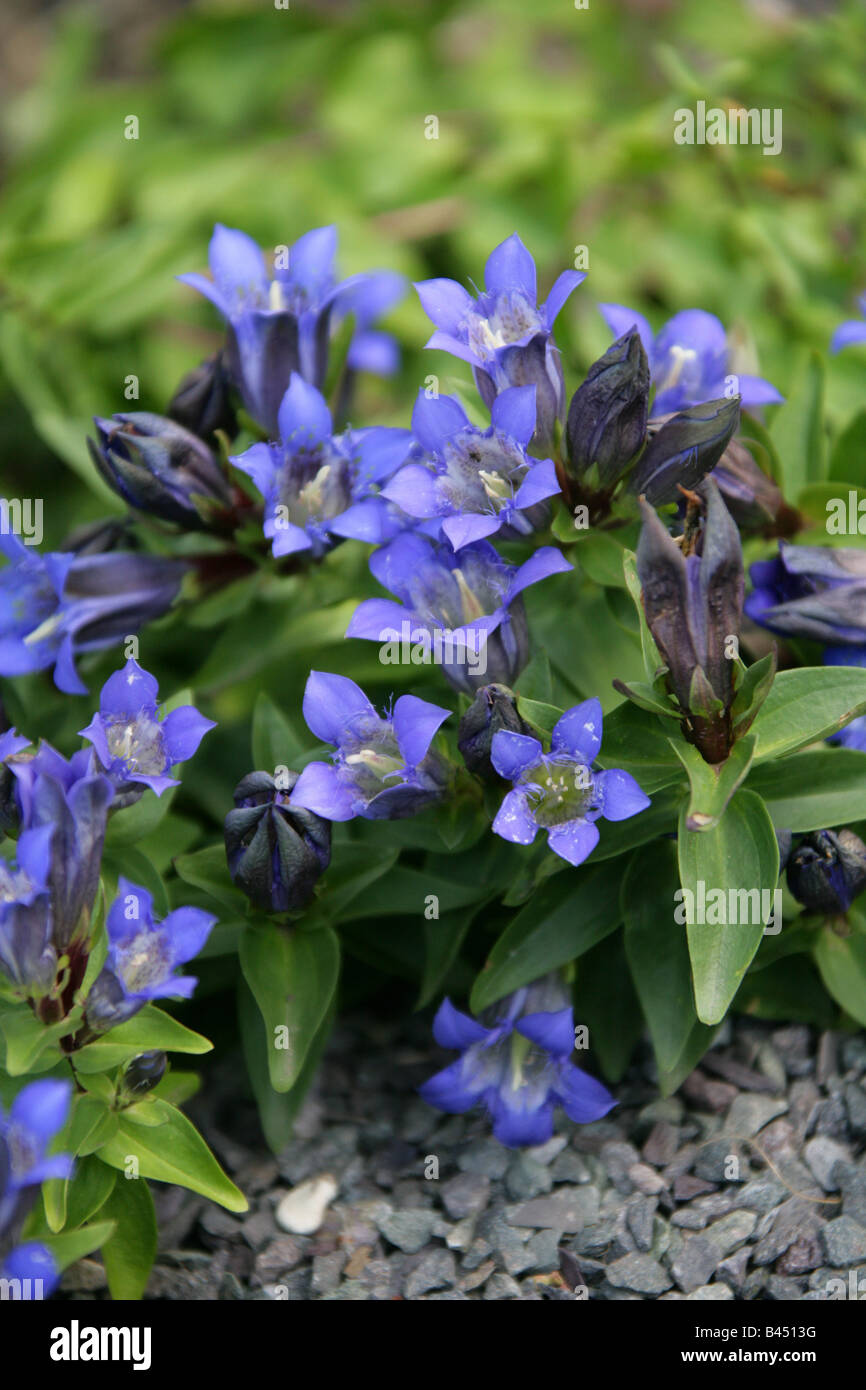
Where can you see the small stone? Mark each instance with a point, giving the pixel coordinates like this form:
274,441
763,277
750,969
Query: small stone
750,1112
844,1242
706,1094
461,1235
668,1110
326,1271
640,1273
854,1053
501,1286
822,1155
358,1262
761,1194
730,1231
713,1161
793,1220
477,1252
466,1195
617,1157
852,1183
486,1157
567,1209
733,1269
543,1250
527,1178
259,1228
408,1230
794,1044
662,1144
302,1210
770,1064
828,1058
476,1277
832,1118
546,1153
569,1166
805,1254
718,1293
436,1270
281,1255
686,1187
694,1264
640,1216
855,1102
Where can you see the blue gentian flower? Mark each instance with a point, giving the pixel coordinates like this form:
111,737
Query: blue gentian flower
464,609
383,766
517,1067
143,954
811,591
132,741
479,482
503,332
557,791
27,955
280,322
319,487
34,1269
55,606
851,331
35,1117
11,743
689,359
72,798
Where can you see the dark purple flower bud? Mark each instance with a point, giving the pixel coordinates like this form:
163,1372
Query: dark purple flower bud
276,850
752,498
99,537
494,708
827,870
159,467
142,1074
607,418
685,449
202,402
692,593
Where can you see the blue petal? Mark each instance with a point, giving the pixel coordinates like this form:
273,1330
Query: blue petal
187,928
303,412
510,267
468,527
546,560
311,258
41,1108
415,722
562,287
332,703
380,450
129,692
621,320
513,413
237,264
574,840
621,795
540,483
260,462
445,303
582,1097
848,333
414,489
511,753
453,1089
579,731
519,1127
435,419
319,789
513,821
451,1028
552,1031
378,620
754,390
182,731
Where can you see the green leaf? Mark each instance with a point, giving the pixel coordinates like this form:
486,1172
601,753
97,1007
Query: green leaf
601,558
89,1188
129,1253
207,869
752,691
174,1152
150,1030
27,1040
849,451
442,942
275,741
820,503
607,1004
566,916
90,1122
842,963
645,696
277,1110
788,991
74,1245
798,428
535,681
355,870
540,715
806,705
712,784
293,976
741,854
658,957
813,791
652,660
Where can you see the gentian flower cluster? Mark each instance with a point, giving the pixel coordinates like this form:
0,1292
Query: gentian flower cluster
516,1065
35,1117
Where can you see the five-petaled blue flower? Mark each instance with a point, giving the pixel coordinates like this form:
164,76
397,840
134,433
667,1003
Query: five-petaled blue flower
503,332
35,1117
851,331
477,481
558,791
280,322
465,609
518,1068
320,487
132,742
383,767
143,954
52,607
689,360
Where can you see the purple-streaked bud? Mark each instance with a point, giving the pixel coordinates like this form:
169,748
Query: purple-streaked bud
276,851
493,708
142,1074
160,468
827,870
202,402
607,417
684,450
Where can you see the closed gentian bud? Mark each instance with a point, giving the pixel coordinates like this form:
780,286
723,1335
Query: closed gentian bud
202,401
160,468
493,708
607,418
685,449
276,850
752,498
693,604
827,870
143,1073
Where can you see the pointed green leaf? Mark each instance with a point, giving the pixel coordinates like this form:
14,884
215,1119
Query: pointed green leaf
173,1152
806,705
712,784
129,1253
293,976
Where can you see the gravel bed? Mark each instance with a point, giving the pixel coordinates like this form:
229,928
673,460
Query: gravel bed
749,1183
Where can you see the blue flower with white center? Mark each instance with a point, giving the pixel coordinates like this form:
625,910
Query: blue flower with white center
383,766
280,321
517,1066
464,609
133,742
53,607
479,482
320,487
851,331
690,360
34,1269
27,954
143,954
35,1117
558,791
504,333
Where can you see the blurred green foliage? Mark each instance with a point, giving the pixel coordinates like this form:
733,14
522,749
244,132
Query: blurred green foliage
553,121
